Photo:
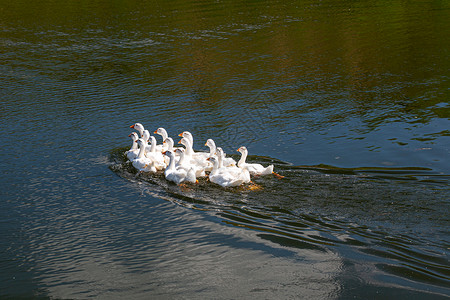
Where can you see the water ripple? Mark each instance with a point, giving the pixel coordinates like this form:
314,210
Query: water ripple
296,212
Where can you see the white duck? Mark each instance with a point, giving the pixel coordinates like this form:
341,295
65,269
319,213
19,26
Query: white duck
178,175
224,178
156,156
254,169
142,163
183,163
134,150
139,127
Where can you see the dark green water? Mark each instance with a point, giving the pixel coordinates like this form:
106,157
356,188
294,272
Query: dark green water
348,99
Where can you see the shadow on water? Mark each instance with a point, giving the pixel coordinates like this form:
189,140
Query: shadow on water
381,214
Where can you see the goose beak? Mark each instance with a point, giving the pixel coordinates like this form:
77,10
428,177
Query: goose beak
180,141
129,135
181,134
155,132
208,159
164,152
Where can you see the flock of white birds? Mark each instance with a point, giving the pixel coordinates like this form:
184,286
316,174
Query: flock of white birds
184,164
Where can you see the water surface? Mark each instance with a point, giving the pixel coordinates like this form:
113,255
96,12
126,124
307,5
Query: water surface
349,101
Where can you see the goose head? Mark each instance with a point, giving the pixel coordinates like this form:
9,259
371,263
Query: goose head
141,142
185,142
219,152
134,136
169,142
169,153
162,132
188,135
242,149
214,161
210,143
179,151
139,127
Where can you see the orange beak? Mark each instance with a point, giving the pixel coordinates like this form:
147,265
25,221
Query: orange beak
155,132
164,152
130,134
181,134
180,141
132,126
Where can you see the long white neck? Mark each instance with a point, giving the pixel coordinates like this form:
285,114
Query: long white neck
212,148
134,146
141,151
169,144
171,166
190,138
189,150
220,159
241,161
140,128
215,167
153,144
164,134
182,156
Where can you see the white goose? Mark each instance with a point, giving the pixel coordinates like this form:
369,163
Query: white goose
224,178
134,150
163,133
254,169
156,156
178,175
230,169
183,163
142,163
195,158
139,127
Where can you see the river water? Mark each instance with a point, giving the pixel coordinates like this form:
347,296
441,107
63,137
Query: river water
348,99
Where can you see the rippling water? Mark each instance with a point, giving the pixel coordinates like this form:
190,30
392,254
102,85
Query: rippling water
349,101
